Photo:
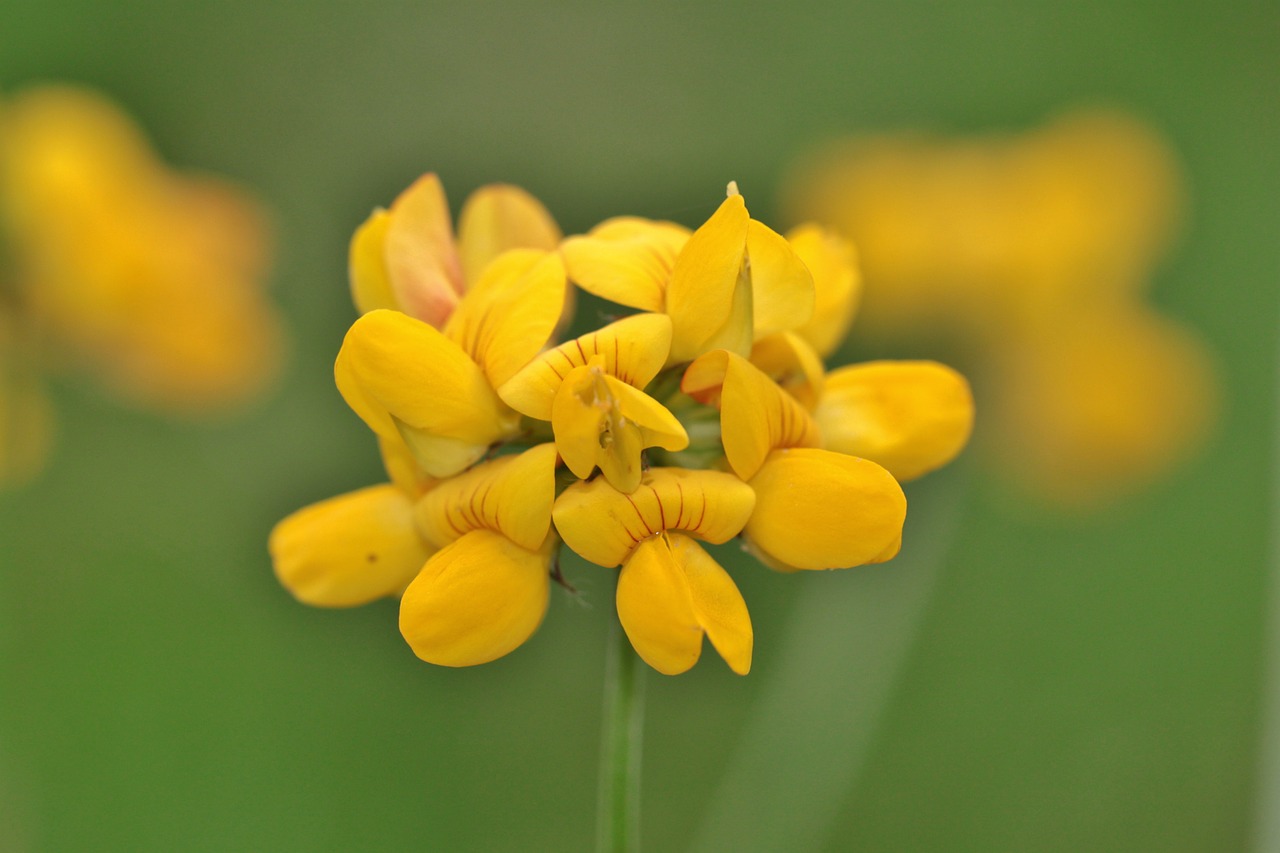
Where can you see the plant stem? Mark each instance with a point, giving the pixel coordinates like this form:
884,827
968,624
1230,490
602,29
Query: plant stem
618,805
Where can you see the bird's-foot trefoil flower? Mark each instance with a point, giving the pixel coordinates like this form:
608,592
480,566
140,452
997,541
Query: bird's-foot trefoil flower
707,417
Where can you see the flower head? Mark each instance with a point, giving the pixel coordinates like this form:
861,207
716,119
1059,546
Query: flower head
698,420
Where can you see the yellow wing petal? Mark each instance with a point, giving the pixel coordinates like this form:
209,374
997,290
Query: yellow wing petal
510,312
626,260
837,284
349,550
756,416
511,495
476,600
421,260
781,285
632,349
717,603
911,417
367,265
790,361
705,283
499,217
821,510
602,524
395,371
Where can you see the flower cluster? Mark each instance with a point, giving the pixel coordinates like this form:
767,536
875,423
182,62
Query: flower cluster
1032,252
114,264
704,416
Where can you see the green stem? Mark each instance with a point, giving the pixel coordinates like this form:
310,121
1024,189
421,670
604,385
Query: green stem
618,806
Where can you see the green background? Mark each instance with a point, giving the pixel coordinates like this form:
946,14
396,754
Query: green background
1015,681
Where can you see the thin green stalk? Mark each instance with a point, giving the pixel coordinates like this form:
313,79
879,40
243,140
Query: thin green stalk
618,805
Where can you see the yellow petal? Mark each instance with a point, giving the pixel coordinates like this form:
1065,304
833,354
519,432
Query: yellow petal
658,427
499,217
790,361
910,417
756,416
656,609
626,260
367,265
632,349
717,603
837,284
476,600
781,285
395,371
821,510
511,495
511,312
402,467
421,260
349,550
602,524
704,288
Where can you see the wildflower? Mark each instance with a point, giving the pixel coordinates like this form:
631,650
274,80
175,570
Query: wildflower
476,375
1023,250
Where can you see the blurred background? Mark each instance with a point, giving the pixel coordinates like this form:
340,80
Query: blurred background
1020,678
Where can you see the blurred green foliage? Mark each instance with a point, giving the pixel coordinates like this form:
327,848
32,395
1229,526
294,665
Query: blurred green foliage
1076,684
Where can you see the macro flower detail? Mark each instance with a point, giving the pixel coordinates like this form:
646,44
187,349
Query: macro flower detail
503,446
670,591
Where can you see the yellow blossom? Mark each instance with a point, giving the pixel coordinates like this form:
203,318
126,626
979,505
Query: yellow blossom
149,278
1031,252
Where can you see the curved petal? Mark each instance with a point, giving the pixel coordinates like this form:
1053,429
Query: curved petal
396,372
756,416
837,284
499,217
421,260
781,285
402,466
910,417
602,524
821,510
670,592
367,265
511,312
658,427
349,550
476,600
626,260
633,349
704,289
511,495
787,359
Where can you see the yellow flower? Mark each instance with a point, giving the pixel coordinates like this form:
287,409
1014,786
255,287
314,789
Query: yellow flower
146,277
730,282
434,390
670,592
1025,251
588,389
641,390
407,259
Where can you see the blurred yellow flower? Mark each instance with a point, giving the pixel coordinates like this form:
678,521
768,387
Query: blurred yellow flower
146,277
1031,253
457,372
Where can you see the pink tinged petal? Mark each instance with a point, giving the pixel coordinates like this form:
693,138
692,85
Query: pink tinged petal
633,349
781,285
821,510
476,600
705,292
626,260
349,550
511,312
421,260
911,417
497,218
756,416
367,265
